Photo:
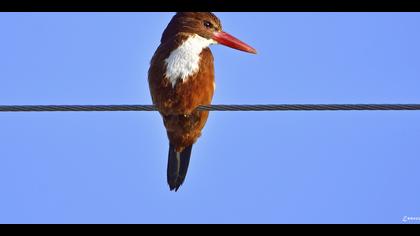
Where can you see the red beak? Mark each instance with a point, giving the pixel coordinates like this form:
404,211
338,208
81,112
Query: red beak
230,41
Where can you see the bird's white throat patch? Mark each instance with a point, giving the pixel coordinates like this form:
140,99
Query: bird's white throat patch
184,60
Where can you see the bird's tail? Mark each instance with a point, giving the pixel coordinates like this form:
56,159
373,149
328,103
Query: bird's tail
177,166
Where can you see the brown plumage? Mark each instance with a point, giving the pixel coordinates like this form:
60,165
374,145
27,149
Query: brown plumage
177,102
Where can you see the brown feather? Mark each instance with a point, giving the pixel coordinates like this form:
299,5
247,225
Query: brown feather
177,105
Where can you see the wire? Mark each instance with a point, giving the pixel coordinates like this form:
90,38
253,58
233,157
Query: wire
274,107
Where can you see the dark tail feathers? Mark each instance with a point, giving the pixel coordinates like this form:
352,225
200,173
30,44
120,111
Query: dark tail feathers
177,166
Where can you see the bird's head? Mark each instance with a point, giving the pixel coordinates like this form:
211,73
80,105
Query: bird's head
206,25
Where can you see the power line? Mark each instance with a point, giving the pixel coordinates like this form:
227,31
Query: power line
268,107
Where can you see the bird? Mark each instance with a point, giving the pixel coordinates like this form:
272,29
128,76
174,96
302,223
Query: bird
181,78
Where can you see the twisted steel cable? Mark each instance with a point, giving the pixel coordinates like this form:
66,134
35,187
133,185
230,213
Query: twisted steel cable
268,107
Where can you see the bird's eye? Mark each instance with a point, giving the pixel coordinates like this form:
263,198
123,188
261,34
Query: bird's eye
208,24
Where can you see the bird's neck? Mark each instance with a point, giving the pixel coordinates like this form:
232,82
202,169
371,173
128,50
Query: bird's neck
184,60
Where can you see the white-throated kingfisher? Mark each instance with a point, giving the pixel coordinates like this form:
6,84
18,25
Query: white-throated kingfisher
181,78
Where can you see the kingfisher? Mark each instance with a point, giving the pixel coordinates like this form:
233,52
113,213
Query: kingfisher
181,78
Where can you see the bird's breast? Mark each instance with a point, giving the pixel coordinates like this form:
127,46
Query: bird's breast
181,79
184,61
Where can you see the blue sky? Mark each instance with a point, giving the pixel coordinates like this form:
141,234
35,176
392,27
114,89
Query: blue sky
261,167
